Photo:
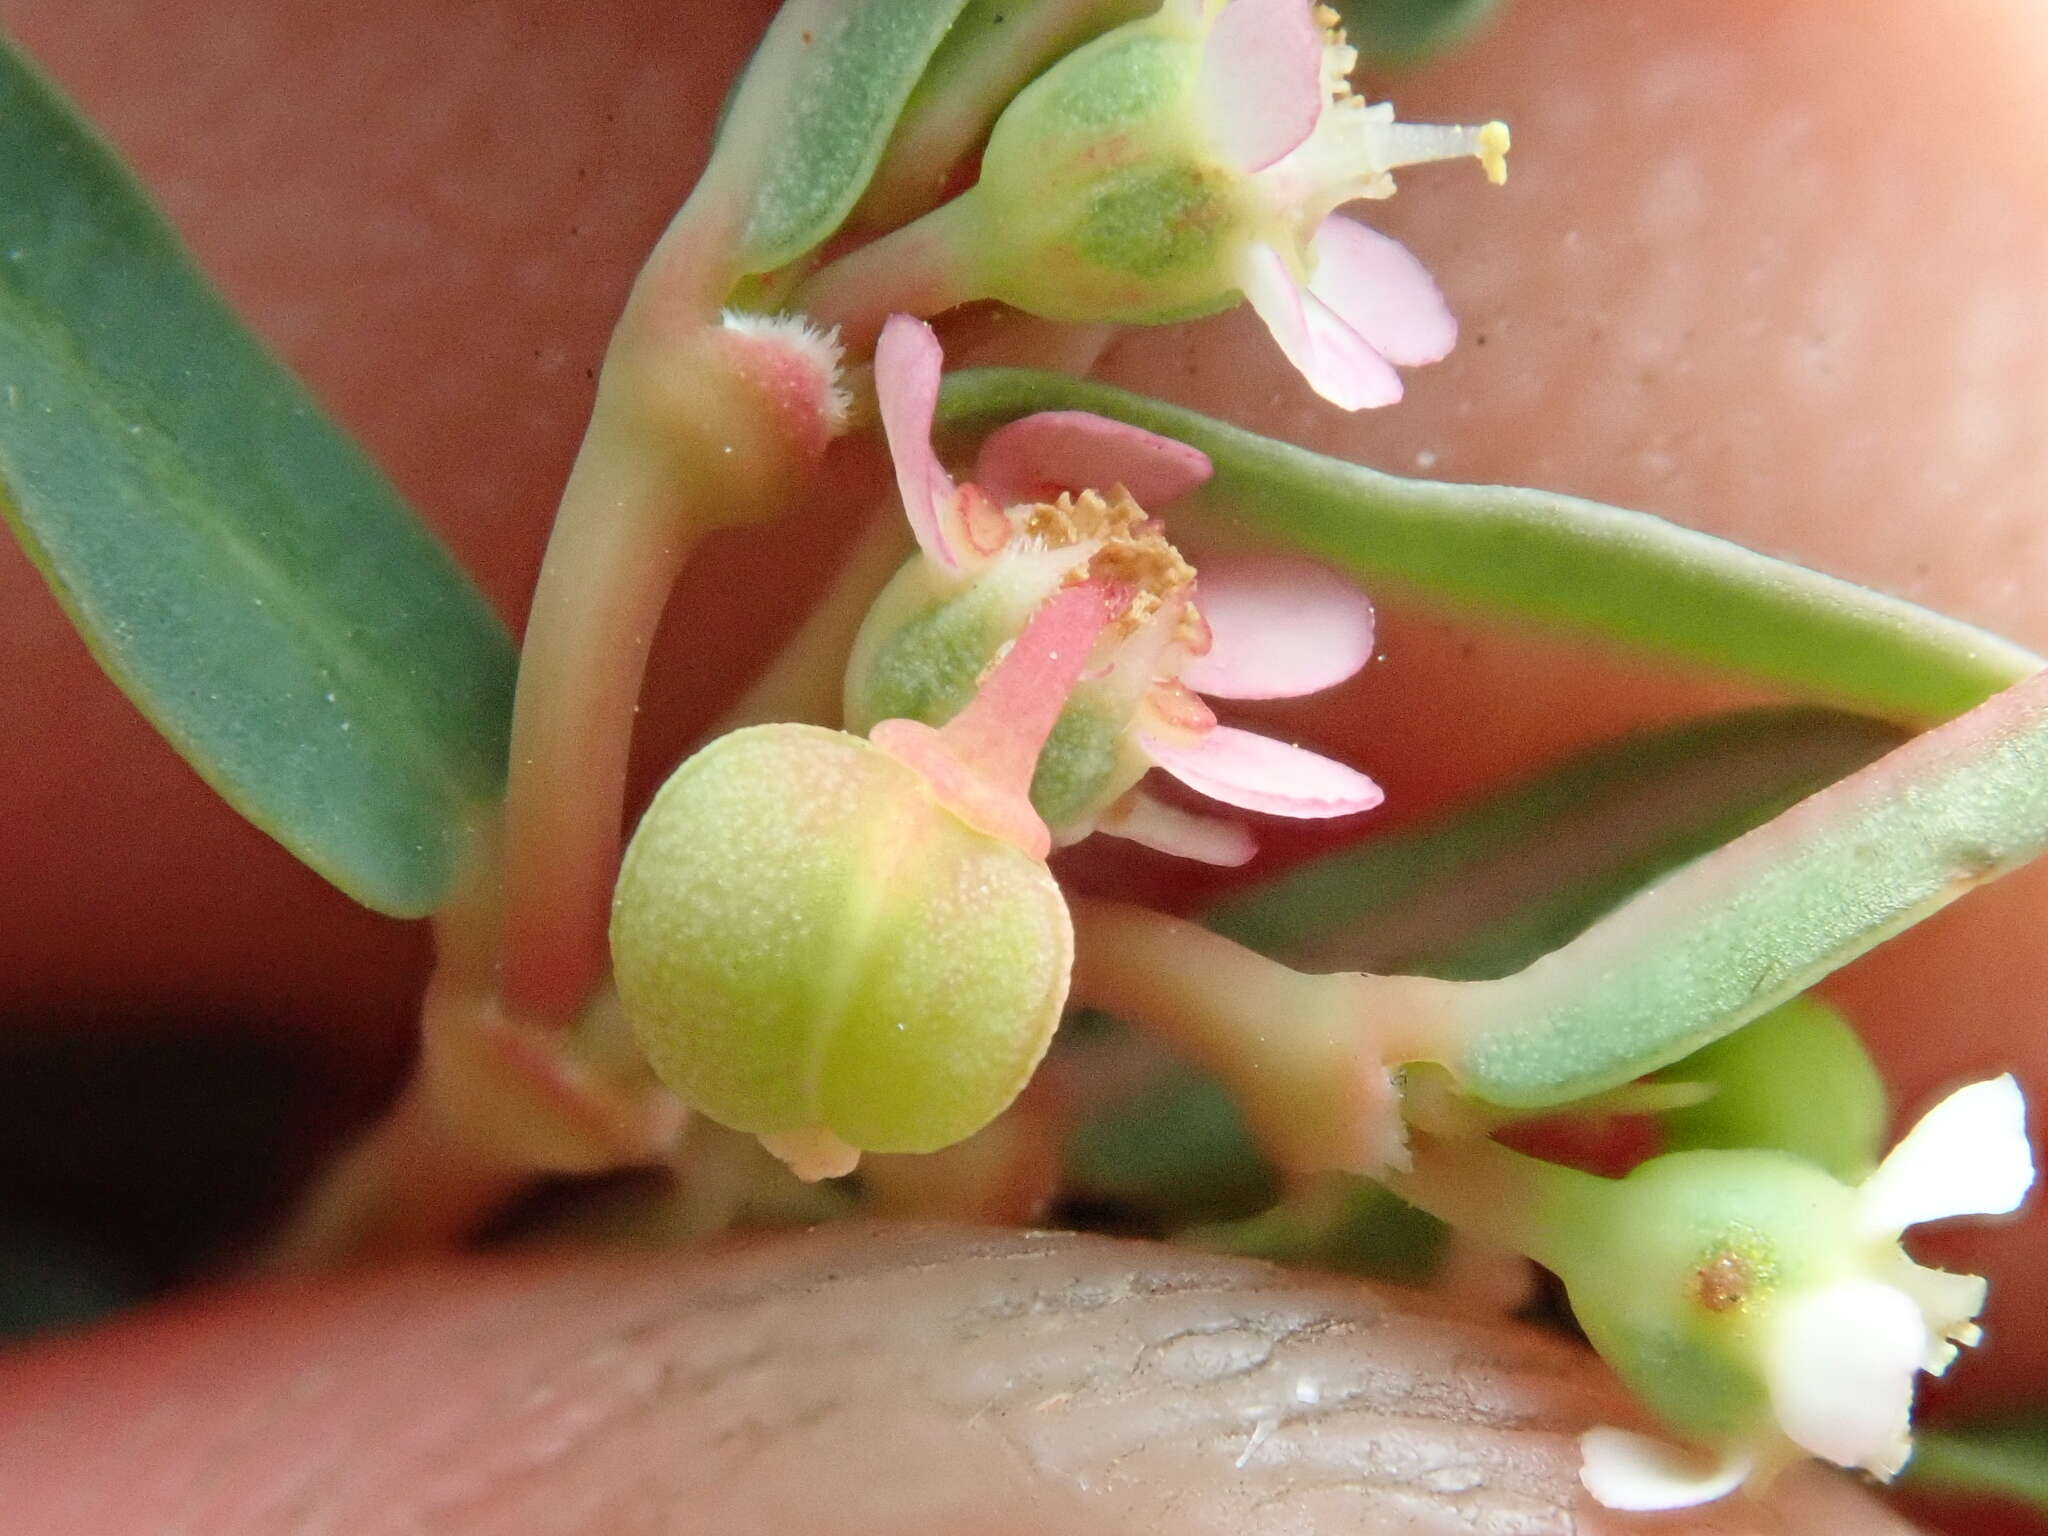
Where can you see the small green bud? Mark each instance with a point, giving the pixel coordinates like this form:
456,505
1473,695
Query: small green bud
1797,1080
812,948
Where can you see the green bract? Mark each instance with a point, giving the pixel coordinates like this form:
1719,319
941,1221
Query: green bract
1099,198
1673,1272
927,641
807,941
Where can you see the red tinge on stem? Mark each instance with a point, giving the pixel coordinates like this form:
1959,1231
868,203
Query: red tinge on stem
981,762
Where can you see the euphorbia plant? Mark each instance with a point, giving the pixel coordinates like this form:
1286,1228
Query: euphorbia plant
688,390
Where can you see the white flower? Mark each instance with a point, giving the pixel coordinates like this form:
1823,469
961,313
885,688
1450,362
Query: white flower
1839,1358
1344,302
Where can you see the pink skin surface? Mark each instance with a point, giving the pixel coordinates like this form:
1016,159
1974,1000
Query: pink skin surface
901,1380
1770,269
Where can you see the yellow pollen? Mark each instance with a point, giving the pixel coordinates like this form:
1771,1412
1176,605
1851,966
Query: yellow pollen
1134,555
1493,151
1335,42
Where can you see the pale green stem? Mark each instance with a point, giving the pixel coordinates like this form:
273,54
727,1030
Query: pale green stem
1307,1057
1522,1203
611,563
673,449
413,1184
920,269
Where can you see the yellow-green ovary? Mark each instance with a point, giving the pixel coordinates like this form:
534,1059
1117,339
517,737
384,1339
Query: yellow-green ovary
802,936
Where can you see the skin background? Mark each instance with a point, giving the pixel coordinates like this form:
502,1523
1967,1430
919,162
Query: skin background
1771,270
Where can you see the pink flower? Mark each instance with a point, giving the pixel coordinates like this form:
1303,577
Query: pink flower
1057,500
1344,302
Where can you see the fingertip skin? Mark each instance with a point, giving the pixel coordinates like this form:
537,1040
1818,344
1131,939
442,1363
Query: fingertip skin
856,1379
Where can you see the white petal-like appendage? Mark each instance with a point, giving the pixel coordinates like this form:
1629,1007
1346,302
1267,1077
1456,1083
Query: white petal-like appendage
1261,81
1150,823
1840,1362
1037,457
1379,289
1257,773
1968,1156
1634,1472
1280,627
1949,1302
1334,360
908,362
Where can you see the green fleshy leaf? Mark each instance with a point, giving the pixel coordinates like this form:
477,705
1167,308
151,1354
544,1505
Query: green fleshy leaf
2005,1457
235,563
1557,560
1402,32
1796,1080
1751,925
843,70
1484,892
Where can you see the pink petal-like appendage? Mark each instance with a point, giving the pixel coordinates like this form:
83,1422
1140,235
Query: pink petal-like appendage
1150,823
1279,627
979,764
1004,726
1256,773
1381,290
908,362
1035,458
1261,82
1335,360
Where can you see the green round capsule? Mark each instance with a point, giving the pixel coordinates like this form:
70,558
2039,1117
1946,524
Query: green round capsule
806,940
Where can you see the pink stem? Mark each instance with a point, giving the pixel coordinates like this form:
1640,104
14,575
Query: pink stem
615,554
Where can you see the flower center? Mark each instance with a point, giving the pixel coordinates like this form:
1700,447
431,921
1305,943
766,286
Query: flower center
1132,555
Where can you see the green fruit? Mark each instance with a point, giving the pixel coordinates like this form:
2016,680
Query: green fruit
804,938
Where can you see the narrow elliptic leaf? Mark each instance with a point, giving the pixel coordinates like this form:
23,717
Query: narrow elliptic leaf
1557,560
1743,929
1402,32
2005,1457
831,78
1486,891
239,568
